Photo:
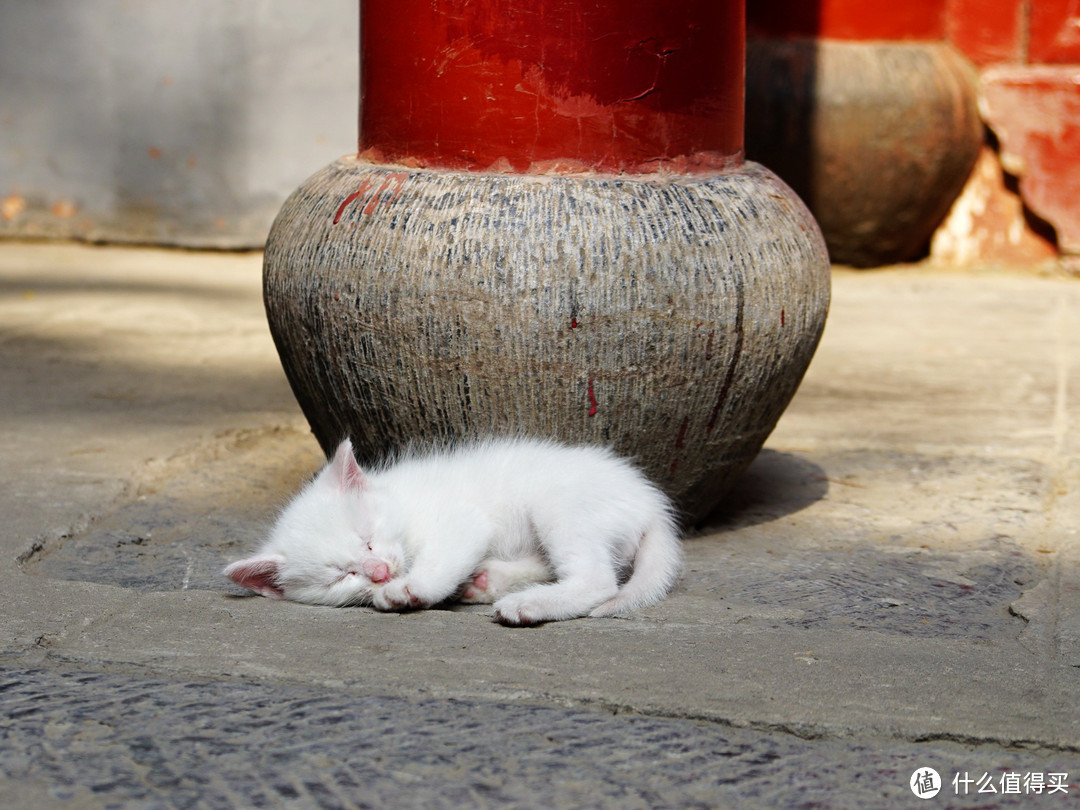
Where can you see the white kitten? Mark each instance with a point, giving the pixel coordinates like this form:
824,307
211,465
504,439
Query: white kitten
542,530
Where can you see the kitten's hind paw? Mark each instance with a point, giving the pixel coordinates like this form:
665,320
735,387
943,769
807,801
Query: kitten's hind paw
551,602
476,590
495,578
516,611
516,618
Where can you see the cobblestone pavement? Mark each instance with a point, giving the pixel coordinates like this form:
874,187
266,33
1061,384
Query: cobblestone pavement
87,739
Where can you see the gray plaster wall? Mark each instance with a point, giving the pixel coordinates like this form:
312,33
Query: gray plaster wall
169,123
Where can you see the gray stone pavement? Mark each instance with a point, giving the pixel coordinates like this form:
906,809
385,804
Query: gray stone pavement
894,585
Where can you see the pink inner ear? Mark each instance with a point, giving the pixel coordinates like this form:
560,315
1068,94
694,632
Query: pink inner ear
259,574
347,472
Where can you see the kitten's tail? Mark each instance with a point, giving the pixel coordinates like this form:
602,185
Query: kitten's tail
656,567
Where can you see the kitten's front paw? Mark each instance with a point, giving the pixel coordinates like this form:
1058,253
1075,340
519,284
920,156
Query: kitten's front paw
395,595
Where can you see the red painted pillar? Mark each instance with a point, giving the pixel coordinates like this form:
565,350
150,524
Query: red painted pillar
536,85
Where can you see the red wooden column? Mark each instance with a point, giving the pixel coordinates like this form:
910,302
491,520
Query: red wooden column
541,85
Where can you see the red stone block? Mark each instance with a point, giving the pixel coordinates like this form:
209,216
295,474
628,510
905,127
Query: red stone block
986,31
1054,33
1035,113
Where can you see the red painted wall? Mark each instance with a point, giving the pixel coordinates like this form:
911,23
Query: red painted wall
987,31
1029,52
1054,33
847,19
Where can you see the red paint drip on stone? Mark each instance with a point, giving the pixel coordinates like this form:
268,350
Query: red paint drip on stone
592,400
389,190
682,432
781,316
348,200
397,180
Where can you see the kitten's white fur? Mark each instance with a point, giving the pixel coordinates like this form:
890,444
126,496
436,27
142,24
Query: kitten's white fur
543,530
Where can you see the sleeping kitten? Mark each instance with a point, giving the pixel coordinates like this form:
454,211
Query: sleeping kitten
543,530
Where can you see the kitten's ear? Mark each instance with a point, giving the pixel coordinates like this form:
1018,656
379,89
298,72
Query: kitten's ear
259,574
344,472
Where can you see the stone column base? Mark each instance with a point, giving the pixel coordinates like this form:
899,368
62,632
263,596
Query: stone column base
669,317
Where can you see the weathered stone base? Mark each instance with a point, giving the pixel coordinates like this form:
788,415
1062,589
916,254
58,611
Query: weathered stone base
671,317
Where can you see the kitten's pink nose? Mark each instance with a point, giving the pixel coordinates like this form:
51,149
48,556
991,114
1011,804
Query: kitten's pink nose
376,570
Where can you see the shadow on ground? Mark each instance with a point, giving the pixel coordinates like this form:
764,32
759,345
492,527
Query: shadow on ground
776,484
